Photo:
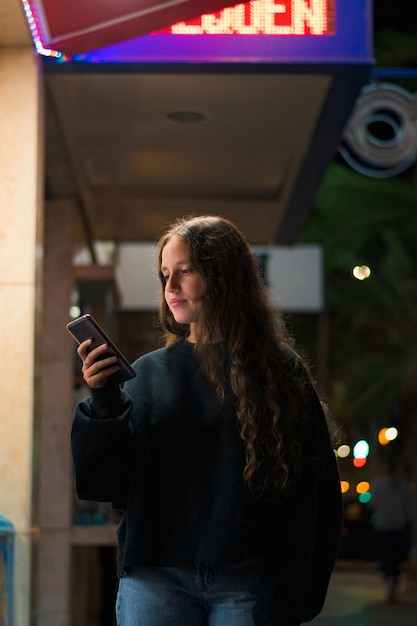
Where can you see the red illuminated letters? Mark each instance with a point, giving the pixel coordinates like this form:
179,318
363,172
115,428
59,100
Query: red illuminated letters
262,17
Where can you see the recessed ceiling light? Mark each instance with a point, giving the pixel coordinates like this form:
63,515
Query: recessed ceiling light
186,117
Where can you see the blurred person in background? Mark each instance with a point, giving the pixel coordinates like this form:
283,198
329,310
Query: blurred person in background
394,521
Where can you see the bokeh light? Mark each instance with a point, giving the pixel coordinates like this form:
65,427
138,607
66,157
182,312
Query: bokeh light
359,462
353,511
363,486
382,437
361,272
344,486
361,449
343,451
74,311
392,433
386,435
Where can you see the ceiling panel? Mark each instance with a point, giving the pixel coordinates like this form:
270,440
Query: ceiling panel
113,134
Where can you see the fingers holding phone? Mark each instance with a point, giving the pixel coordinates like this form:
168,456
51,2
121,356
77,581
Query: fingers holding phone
97,365
94,341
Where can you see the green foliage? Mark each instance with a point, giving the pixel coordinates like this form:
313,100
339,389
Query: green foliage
372,323
395,49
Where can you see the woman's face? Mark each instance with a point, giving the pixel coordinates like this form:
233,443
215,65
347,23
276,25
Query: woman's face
184,285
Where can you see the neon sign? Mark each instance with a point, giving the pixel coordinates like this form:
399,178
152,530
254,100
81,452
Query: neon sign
255,32
264,17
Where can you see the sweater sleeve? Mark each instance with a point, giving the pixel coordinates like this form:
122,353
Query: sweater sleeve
296,578
101,441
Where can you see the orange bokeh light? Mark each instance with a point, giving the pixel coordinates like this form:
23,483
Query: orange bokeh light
363,486
382,437
344,486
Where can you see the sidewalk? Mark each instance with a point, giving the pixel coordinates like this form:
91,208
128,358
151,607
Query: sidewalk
356,597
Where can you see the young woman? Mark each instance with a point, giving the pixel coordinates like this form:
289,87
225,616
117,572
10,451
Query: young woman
217,452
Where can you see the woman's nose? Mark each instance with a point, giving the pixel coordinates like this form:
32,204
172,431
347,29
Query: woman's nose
171,284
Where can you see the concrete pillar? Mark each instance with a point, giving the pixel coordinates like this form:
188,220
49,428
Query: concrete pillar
54,409
21,178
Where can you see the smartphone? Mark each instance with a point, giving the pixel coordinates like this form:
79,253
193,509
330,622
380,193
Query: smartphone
86,327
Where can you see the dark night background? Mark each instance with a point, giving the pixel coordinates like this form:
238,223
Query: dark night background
398,15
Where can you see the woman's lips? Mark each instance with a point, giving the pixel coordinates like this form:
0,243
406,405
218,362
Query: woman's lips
176,302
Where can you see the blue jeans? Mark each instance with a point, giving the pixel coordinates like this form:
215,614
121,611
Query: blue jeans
196,595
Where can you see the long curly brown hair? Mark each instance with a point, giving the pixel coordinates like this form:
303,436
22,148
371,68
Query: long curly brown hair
265,380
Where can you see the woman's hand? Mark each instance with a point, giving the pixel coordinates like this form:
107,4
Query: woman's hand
96,370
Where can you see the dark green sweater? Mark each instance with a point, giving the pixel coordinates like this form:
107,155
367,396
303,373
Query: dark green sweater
167,453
